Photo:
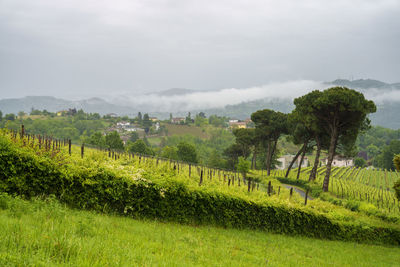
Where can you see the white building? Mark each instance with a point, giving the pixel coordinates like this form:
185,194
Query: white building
339,161
123,124
286,159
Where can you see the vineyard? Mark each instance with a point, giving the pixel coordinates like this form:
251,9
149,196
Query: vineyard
352,183
192,175
141,186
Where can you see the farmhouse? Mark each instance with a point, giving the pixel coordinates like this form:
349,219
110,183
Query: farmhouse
238,124
123,124
177,120
339,161
286,159
154,119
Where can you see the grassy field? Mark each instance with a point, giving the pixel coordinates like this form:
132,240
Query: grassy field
46,233
175,129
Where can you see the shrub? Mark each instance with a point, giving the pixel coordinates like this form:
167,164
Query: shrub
368,208
85,184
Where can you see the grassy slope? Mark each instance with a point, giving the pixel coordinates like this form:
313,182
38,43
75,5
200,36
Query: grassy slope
176,129
46,233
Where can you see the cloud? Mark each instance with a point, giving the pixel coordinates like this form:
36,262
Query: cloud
97,46
220,98
380,96
201,100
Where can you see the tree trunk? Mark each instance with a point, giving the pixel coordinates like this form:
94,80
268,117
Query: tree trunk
270,157
301,159
331,154
293,161
267,158
313,173
254,160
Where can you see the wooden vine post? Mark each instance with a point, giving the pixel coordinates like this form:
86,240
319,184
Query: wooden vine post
82,150
305,199
269,188
201,177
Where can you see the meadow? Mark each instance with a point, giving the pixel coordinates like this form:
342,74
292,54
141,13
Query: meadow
44,232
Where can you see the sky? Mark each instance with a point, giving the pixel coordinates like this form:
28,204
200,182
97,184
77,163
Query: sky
80,48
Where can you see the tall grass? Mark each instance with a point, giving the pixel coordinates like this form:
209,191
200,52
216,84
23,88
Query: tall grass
46,233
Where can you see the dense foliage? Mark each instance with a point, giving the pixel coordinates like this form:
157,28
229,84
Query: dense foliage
144,189
377,143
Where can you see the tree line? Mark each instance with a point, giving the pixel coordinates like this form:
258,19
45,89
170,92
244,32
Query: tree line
322,120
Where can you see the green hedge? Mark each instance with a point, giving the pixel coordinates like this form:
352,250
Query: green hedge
25,173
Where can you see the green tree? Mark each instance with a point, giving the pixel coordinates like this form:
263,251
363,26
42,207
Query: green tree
187,152
133,136
270,125
169,152
342,112
21,114
9,117
300,134
232,154
396,161
113,141
140,147
146,122
200,120
388,153
372,151
68,133
217,121
188,119
308,129
139,117
215,160
1,115
243,167
245,140
360,162
396,186
97,139
35,112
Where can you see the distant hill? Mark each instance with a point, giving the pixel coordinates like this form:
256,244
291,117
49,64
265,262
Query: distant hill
365,84
243,110
386,115
53,104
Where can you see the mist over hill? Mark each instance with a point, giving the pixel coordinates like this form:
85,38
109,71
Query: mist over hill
230,102
365,84
53,104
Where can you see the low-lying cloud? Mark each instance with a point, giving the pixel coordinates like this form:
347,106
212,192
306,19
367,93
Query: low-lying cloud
201,100
221,98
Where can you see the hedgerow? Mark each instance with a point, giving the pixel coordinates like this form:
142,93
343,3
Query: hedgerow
145,193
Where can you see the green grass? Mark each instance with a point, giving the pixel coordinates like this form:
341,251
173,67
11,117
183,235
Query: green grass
154,141
176,129
46,233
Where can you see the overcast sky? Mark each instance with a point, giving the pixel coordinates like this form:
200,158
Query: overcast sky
83,48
